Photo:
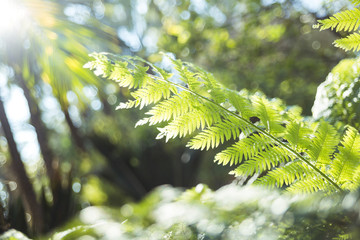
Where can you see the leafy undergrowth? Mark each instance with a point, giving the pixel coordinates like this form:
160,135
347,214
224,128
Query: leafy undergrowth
232,212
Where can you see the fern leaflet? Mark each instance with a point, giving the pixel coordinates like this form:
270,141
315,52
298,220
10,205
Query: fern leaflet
347,20
349,43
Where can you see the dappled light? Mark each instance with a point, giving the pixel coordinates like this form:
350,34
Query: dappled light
168,119
231,212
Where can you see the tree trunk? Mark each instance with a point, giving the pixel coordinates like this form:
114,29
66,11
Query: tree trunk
4,226
41,131
26,189
78,140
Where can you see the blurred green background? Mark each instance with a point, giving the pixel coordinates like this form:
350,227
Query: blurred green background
63,145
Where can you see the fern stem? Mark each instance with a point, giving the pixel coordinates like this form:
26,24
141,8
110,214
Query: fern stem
289,149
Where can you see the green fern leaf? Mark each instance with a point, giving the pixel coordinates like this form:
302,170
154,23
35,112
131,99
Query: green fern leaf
286,175
171,108
355,2
264,160
241,104
350,43
281,145
203,116
323,145
268,115
219,133
297,135
355,182
347,20
188,77
347,159
153,92
310,185
245,148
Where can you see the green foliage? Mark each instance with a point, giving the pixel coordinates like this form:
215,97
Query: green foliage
231,212
56,48
337,98
348,21
13,235
72,233
253,44
267,139
349,43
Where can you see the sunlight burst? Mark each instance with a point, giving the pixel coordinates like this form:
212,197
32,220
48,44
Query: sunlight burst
11,15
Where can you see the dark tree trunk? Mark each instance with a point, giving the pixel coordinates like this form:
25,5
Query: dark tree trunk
4,226
41,132
106,106
77,138
118,164
17,167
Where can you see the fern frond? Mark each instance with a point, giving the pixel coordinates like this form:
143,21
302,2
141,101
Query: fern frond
241,104
323,145
186,76
100,65
297,135
310,185
171,108
212,87
280,145
212,83
355,2
219,133
355,183
347,159
153,92
269,116
201,117
286,175
349,43
347,20
245,148
264,160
